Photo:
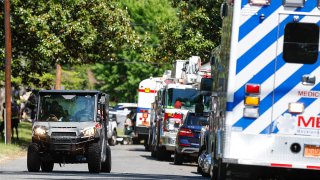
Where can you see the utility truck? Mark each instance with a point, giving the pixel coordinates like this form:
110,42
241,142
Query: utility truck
178,95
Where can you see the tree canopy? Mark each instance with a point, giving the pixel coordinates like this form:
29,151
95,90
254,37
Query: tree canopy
121,41
46,32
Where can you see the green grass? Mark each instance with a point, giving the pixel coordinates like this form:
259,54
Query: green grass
17,147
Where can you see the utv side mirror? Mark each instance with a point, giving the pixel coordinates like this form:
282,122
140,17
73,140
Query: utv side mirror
224,10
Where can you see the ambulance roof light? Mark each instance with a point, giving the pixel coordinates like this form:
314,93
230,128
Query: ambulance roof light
260,2
294,3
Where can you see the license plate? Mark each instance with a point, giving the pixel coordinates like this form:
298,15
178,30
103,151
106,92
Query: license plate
312,151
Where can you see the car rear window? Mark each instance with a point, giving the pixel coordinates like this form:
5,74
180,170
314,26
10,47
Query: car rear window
192,119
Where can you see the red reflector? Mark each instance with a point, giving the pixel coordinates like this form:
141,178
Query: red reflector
184,145
281,165
313,167
185,132
98,125
252,89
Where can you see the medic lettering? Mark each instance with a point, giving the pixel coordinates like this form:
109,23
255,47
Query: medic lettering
311,94
311,122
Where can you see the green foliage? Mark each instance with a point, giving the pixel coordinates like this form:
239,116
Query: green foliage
126,41
46,32
121,79
75,78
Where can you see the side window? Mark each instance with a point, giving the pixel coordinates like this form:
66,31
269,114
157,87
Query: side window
301,43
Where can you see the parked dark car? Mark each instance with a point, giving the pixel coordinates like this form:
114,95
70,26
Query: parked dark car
188,138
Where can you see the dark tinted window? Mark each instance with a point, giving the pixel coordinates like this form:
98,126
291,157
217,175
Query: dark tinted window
192,119
301,43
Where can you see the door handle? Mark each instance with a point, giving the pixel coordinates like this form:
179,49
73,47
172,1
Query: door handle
308,80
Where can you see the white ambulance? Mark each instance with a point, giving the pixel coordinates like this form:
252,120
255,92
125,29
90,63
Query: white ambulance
266,93
146,97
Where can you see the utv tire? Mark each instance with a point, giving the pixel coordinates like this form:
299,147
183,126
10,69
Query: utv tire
106,166
94,158
33,158
47,166
113,140
178,158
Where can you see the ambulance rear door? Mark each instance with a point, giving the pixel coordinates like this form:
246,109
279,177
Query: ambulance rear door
296,97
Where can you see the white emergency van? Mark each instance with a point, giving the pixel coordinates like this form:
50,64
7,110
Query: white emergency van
266,89
146,97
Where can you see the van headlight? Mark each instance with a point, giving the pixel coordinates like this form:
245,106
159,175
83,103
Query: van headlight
39,130
89,132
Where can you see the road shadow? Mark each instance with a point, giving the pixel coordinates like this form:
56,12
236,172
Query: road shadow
137,149
76,175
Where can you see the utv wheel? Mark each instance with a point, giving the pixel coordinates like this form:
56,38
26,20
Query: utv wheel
33,158
94,158
47,166
178,158
113,140
106,166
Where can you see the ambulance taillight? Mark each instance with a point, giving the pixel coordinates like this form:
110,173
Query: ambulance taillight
252,100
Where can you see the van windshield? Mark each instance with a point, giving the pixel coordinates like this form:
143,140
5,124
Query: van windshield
66,108
187,97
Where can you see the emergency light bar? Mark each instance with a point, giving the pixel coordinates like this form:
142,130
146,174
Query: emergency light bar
259,2
294,3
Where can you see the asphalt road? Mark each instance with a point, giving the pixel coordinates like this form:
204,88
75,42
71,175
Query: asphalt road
128,162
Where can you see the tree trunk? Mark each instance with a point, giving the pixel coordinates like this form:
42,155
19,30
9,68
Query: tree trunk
58,77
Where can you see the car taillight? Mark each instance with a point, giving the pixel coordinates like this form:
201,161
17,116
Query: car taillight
185,132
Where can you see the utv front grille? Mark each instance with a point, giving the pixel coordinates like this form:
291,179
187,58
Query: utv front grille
64,140
63,134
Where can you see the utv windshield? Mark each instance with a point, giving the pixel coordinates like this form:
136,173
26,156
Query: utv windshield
67,108
187,98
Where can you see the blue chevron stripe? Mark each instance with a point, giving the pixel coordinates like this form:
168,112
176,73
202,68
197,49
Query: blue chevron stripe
260,46
252,22
243,3
284,88
259,78
306,101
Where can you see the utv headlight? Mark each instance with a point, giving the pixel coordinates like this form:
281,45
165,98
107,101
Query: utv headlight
39,130
88,132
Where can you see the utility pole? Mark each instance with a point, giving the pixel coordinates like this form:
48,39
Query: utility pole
8,56
58,77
